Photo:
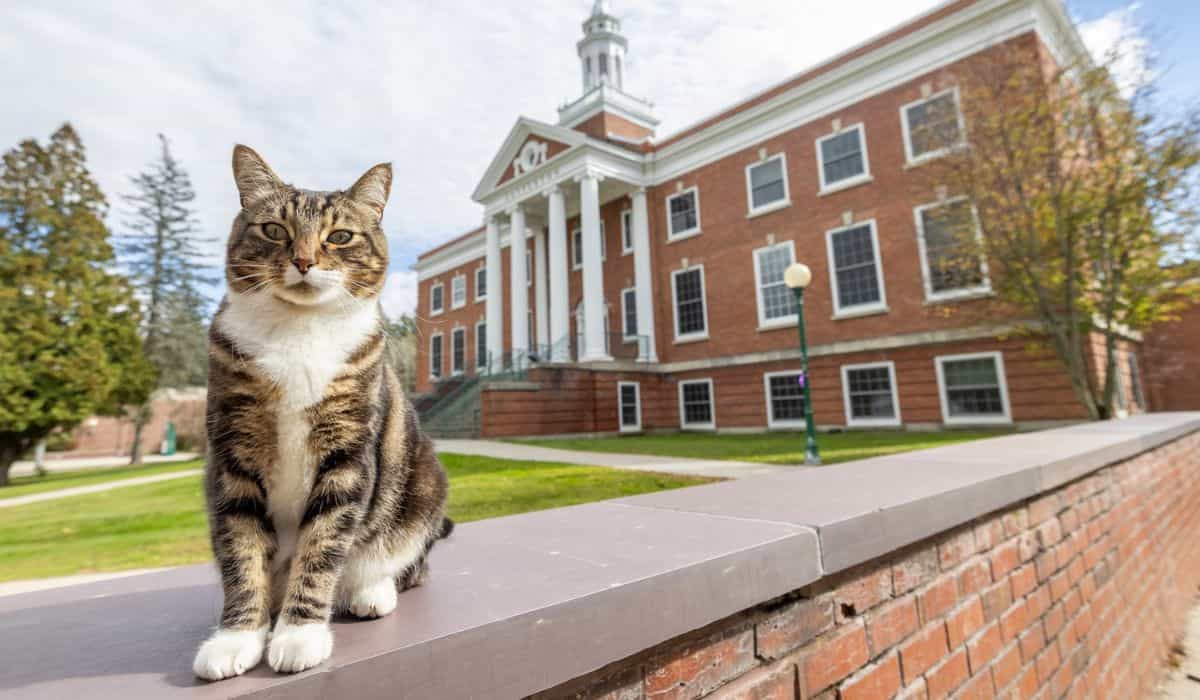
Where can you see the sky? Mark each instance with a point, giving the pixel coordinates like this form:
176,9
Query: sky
324,90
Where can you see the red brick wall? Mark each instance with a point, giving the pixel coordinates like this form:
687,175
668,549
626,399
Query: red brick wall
1078,593
1171,363
110,436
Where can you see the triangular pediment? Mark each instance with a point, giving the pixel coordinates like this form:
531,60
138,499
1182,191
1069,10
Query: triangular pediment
529,146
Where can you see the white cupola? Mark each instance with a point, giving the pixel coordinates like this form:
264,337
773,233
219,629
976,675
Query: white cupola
602,49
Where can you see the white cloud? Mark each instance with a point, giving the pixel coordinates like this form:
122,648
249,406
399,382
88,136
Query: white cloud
400,293
1118,38
325,90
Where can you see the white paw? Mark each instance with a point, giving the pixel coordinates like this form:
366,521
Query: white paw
298,647
375,601
229,653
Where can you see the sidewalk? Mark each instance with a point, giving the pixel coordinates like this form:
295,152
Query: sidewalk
42,584
25,467
94,488
716,468
1183,683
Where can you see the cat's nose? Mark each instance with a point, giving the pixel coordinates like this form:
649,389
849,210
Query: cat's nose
302,264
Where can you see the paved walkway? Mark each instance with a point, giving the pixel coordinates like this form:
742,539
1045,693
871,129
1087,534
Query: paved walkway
26,467
718,468
1183,683
42,584
94,488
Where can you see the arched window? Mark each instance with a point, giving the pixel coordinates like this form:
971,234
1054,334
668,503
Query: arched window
587,70
603,65
617,65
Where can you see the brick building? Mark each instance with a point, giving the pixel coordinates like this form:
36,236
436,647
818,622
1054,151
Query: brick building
647,291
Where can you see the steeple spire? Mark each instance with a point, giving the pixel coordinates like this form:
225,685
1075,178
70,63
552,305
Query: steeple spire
602,49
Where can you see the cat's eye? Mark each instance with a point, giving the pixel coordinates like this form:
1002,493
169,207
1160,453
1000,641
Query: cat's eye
275,232
339,237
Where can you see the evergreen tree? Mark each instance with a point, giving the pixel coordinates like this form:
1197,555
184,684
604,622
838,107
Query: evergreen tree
162,252
69,344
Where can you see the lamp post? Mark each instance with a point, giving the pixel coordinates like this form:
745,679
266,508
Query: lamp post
797,277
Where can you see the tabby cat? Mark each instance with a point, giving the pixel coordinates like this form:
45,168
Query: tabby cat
323,493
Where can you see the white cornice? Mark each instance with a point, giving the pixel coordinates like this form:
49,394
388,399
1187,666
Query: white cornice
522,130
606,98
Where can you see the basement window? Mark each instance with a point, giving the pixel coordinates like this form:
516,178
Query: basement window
630,402
696,405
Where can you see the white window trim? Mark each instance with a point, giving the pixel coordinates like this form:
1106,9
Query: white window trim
441,360
998,356
910,160
881,306
965,292
624,308
626,231
480,361
453,281
441,309
480,270
865,176
786,423
637,402
458,372
712,406
673,236
753,211
853,422
763,322
698,335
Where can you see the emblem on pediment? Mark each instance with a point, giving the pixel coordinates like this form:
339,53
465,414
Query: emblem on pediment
532,155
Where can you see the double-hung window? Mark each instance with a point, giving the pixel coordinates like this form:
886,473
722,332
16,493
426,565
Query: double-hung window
870,394
626,232
776,303
766,184
951,250
629,328
629,402
696,405
691,316
437,299
458,350
842,158
481,352
683,214
785,399
480,284
932,125
435,356
577,248
972,388
855,273
458,292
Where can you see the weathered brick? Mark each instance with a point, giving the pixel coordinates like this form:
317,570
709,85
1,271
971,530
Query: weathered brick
914,691
914,570
938,598
921,652
974,576
879,681
1027,545
839,654
776,682
1049,533
1032,641
1007,665
984,647
792,626
1024,580
947,676
989,533
977,688
1014,621
696,668
1004,558
1059,585
964,622
1043,508
1015,521
1053,621
996,599
888,624
862,592
1038,602
1048,662
954,549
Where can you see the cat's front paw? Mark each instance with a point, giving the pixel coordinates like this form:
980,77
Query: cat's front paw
298,647
375,601
229,653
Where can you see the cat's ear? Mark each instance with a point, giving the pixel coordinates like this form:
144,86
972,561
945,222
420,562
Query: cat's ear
373,187
253,176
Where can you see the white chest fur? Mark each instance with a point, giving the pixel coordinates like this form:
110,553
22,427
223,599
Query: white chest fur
301,350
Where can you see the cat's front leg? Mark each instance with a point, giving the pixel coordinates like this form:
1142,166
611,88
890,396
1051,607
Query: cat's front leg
243,544
302,638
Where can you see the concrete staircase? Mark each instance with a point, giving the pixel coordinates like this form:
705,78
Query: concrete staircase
453,413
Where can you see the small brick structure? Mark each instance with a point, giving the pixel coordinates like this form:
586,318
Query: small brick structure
1058,564
1077,593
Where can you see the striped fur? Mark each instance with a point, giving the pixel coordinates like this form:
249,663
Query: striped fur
324,494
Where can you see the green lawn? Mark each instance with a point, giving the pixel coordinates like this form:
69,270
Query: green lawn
25,485
770,448
163,524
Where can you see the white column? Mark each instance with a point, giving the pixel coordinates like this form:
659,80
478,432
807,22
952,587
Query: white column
642,281
495,296
540,302
560,311
519,291
593,271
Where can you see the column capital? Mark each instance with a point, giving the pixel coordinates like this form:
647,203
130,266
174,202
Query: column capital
589,174
513,209
637,191
552,190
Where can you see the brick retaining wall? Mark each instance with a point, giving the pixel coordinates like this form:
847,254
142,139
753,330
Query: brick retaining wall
1077,593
